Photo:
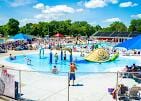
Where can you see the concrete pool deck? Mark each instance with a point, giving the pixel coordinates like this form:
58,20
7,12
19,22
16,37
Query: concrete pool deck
44,87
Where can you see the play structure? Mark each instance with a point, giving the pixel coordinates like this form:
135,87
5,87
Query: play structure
70,51
50,57
114,57
100,55
61,55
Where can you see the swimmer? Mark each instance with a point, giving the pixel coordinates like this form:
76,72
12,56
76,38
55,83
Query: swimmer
54,70
28,61
12,57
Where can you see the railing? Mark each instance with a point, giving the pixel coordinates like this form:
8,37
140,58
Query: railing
88,86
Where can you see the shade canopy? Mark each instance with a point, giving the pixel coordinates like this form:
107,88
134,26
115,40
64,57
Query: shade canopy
21,36
59,35
134,43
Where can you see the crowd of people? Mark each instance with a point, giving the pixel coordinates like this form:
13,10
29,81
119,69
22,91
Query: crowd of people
15,45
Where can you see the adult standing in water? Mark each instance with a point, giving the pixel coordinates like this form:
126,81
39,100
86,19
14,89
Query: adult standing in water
73,68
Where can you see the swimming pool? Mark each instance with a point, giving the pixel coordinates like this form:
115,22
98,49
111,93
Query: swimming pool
1,41
82,65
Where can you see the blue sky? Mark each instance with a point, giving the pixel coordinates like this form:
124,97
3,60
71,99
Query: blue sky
102,12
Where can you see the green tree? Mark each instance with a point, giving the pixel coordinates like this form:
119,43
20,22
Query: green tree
81,28
97,28
135,25
43,28
27,29
12,27
118,27
1,30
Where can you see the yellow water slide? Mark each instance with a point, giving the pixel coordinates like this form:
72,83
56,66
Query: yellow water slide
101,55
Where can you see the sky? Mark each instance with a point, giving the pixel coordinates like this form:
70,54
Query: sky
95,12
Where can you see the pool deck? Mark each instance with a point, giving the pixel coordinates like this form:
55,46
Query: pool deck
43,87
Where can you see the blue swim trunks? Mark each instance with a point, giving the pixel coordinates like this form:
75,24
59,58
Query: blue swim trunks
72,76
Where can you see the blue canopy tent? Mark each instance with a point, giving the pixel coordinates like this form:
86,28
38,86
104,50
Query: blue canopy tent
134,43
21,36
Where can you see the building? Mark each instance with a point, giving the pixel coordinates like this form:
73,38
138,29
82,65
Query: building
114,36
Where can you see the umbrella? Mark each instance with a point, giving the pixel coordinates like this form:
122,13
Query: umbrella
134,43
21,36
59,35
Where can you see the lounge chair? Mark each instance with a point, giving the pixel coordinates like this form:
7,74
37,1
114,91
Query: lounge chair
122,93
134,93
137,77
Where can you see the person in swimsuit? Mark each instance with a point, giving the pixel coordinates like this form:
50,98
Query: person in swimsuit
73,68
54,70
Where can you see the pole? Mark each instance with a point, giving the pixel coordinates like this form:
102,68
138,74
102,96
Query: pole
61,54
71,57
50,60
68,87
20,84
117,88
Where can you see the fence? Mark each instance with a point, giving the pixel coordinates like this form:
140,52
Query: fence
88,86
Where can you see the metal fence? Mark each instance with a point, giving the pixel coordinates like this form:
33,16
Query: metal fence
88,86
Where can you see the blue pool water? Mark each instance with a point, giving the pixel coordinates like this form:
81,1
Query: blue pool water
1,40
82,65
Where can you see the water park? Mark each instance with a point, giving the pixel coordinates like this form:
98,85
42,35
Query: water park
93,61
78,50
45,59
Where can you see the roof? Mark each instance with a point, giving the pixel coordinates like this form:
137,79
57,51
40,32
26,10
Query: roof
116,34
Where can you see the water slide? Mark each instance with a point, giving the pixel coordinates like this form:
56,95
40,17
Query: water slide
96,57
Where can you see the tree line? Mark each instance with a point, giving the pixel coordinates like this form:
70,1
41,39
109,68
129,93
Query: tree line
66,27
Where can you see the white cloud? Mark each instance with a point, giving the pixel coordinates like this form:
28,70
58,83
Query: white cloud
39,6
95,4
128,4
112,20
16,3
136,16
56,9
59,9
99,3
54,12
